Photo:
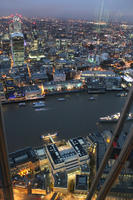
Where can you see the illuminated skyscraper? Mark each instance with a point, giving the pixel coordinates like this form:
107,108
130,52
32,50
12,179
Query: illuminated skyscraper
17,41
15,25
17,48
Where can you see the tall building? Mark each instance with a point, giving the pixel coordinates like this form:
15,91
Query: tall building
17,41
5,43
6,46
17,48
15,25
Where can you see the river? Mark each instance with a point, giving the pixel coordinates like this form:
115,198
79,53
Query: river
75,116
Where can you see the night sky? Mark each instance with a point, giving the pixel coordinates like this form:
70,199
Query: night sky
68,8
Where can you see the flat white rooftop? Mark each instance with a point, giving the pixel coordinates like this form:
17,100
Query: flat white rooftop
17,34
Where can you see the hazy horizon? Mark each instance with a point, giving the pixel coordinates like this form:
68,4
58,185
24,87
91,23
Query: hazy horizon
85,9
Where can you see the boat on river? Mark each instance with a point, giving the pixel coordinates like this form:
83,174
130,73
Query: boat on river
61,99
38,104
122,94
22,104
92,98
115,117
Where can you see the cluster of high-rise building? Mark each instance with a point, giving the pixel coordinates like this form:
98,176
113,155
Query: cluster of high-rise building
52,51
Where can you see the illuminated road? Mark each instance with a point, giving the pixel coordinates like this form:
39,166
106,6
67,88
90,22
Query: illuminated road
21,194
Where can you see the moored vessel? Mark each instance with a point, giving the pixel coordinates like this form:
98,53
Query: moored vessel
92,98
122,94
61,99
115,117
38,104
22,104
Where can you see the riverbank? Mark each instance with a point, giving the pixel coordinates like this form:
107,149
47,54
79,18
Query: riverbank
43,97
76,116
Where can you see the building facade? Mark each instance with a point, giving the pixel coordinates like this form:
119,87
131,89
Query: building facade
67,158
17,49
23,162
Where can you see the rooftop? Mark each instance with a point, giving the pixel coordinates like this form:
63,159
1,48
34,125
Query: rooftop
81,182
67,154
55,154
21,156
60,180
40,152
77,145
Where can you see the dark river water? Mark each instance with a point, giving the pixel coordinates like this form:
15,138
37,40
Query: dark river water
76,116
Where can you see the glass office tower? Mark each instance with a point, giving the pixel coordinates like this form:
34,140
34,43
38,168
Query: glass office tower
17,48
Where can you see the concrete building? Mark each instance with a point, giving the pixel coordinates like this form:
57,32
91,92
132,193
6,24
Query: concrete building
41,154
32,92
63,86
69,157
60,182
23,162
88,74
81,185
59,76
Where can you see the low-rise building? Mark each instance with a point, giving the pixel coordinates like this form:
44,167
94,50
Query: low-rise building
81,185
41,154
23,162
59,76
63,86
88,74
32,92
39,77
60,182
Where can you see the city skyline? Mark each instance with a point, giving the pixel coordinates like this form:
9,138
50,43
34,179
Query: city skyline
93,9
66,89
